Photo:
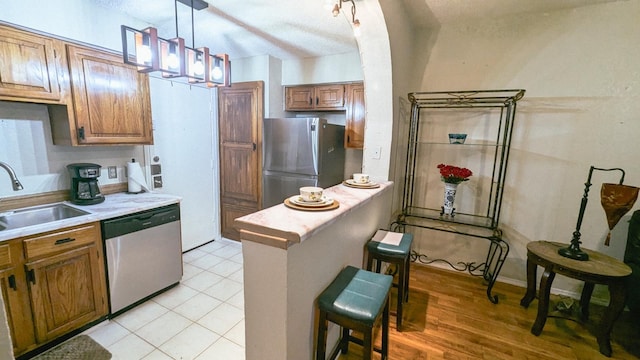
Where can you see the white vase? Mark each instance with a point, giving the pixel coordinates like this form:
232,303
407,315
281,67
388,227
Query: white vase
449,197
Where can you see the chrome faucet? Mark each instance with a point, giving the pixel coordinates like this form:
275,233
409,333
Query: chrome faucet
12,174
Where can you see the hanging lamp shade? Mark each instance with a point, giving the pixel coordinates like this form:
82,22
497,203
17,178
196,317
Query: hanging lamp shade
220,71
140,48
172,54
196,64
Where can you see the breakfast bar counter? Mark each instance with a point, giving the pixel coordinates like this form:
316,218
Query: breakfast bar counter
291,255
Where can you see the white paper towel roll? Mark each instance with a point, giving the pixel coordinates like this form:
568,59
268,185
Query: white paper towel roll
136,179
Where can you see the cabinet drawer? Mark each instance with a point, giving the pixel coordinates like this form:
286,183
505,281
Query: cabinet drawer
54,242
5,255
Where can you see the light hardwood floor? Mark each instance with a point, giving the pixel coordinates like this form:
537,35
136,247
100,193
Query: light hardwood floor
448,316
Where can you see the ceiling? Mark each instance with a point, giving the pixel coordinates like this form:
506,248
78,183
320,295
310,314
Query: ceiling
290,29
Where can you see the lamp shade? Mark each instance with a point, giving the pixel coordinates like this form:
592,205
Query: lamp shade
172,53
140,48
219,70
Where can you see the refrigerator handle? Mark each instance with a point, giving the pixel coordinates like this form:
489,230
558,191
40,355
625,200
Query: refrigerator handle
315,143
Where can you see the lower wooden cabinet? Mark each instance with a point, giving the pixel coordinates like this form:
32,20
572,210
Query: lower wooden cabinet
15,293
60,285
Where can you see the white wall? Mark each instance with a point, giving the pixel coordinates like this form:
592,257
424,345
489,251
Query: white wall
579,68
27,146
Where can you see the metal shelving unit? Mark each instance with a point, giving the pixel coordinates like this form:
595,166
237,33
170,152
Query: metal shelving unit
487,116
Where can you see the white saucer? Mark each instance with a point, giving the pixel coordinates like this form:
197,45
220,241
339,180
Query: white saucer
324,201
302,200
354,183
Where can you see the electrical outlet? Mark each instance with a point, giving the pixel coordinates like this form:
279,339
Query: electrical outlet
113,172
157,182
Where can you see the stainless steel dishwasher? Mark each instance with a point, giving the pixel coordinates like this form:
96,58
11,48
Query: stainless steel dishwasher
143,255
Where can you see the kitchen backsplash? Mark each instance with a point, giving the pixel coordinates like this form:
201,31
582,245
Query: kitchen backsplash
26,145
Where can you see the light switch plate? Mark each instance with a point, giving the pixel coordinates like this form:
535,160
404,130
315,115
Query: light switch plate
375,154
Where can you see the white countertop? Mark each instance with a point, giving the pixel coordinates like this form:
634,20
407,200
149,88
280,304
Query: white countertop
280,226
114,205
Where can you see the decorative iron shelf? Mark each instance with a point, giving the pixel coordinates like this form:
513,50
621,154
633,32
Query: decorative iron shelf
487,116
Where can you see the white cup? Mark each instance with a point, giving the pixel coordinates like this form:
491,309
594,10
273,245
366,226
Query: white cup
311,193
361,178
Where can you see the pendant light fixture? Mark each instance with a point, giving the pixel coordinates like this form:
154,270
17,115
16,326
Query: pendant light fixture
147,51
355,22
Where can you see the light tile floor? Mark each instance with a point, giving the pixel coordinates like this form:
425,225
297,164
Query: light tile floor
202,318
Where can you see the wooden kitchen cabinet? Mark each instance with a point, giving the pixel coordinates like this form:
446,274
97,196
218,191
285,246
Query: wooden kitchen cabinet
55,283
110,102
29,67
315,97
15,293
355,117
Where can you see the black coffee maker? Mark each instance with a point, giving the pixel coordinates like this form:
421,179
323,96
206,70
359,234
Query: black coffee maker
84,183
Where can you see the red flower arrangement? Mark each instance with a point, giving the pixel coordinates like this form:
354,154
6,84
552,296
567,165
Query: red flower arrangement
453,174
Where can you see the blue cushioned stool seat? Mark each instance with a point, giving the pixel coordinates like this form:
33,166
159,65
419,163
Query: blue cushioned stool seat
399,255
355,300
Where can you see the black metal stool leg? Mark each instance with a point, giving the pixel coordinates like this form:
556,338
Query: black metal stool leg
322,337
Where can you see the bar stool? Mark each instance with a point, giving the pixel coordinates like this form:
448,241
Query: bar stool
382,251
355,300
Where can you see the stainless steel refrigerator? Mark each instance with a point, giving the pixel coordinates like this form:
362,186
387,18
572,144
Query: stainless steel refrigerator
300,152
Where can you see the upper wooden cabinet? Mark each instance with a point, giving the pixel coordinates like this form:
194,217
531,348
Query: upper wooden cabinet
315,97
355,117
110,102
92,96
28,66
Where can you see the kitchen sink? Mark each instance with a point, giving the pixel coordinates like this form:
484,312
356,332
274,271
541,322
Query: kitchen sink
37,215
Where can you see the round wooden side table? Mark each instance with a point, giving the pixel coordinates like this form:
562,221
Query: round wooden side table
599,269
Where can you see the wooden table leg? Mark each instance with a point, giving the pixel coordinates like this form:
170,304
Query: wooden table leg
543,300
532,269
585,299
617,294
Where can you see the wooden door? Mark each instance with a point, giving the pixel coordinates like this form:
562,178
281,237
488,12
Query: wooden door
240,117
28,68
111,99
355,117
67,291
16,297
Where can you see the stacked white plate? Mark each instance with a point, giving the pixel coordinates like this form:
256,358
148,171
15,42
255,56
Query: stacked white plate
367,185
323,201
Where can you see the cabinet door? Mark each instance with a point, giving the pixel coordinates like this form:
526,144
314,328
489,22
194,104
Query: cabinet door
28,67
329,97
16,298
355,117
240,114
67,291
299,98
111,99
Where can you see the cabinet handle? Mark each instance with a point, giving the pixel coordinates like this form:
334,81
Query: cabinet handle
317,100
12,282
310,100
81,133
255,146
31,276
64,241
